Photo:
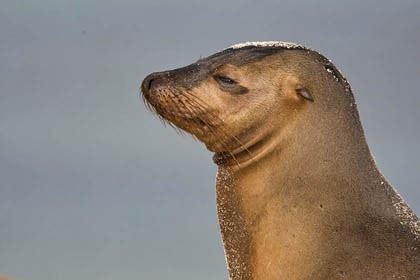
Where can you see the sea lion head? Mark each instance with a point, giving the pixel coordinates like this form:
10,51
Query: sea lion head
227,100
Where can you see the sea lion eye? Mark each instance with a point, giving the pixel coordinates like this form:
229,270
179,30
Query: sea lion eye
229,85
225,80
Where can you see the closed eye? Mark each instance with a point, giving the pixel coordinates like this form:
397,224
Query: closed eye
225,80
230,85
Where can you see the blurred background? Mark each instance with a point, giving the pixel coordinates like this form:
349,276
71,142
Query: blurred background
93,186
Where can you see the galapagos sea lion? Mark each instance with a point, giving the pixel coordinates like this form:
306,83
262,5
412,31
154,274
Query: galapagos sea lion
298,193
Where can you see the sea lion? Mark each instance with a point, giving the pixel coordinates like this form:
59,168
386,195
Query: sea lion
298,193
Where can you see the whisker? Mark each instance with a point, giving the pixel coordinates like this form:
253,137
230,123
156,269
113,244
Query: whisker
204,115
223,131
210,126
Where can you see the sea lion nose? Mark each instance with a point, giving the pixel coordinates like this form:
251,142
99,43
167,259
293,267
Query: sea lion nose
149,82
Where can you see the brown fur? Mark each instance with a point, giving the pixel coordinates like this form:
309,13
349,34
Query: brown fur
299,195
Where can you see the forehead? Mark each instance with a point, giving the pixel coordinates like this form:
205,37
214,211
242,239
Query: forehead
246,52
238,56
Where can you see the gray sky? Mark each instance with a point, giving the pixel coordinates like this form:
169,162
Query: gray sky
93,186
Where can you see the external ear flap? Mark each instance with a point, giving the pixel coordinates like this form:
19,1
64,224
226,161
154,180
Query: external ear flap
304,93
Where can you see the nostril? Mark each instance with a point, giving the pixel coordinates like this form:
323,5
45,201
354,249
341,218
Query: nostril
150,83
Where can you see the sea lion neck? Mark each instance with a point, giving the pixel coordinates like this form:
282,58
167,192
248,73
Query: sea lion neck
254,200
